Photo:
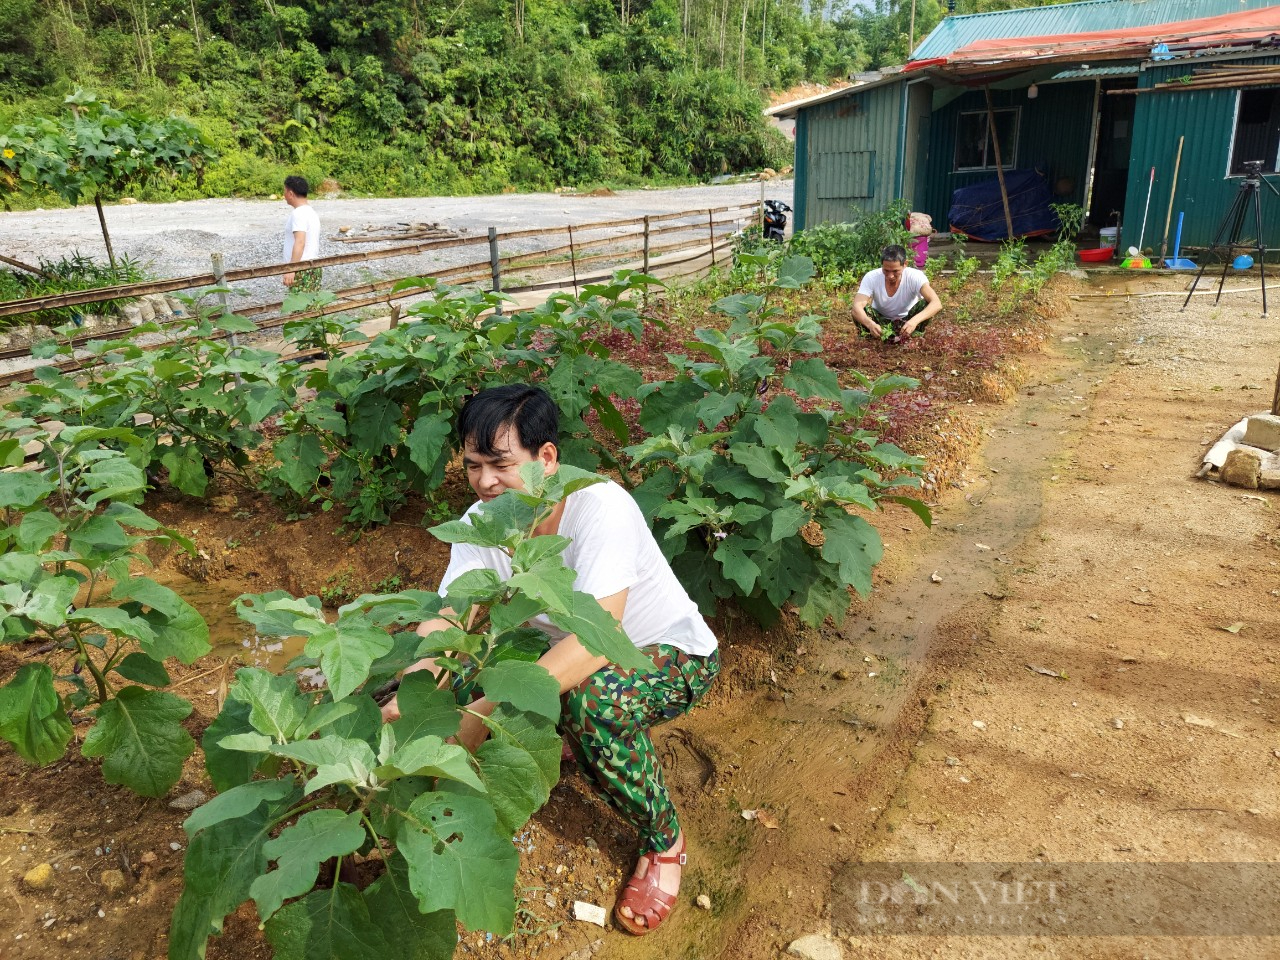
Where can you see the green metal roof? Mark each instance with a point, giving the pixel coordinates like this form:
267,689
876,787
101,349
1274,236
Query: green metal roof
1064,19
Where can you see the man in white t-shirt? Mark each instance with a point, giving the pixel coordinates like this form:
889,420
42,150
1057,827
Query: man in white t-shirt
895,300
607,711
301,236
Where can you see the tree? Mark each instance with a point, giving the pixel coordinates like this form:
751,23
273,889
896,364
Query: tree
96,149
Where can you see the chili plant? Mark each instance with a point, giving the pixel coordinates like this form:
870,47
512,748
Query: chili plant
66,588
756,459
314,774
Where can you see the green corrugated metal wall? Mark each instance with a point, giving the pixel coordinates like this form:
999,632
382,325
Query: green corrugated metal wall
1053,136
1206,118
848,151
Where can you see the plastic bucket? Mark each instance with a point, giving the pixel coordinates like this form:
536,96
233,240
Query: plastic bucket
921,247
1109,237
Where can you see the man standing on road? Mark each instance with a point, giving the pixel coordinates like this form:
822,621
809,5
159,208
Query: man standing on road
301,236
895,296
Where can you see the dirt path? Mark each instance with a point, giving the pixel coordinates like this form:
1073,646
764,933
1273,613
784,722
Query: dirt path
1082,545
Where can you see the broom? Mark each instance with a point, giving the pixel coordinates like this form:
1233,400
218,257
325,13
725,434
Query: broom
1136,260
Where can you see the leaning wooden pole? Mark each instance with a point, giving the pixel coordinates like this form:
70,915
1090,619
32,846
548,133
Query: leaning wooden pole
995,148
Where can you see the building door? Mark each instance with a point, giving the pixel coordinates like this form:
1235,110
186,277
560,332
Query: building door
1111,156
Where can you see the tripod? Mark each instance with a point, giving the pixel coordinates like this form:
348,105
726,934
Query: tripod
1228,236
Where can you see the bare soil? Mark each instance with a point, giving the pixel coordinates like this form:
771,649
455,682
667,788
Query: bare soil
1069,535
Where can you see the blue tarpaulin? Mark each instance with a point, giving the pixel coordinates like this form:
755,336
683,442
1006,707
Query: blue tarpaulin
978,211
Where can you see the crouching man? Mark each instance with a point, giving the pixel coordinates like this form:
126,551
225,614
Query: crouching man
607,712
895,296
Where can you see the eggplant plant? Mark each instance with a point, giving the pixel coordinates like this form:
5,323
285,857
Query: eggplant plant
312,773
71,539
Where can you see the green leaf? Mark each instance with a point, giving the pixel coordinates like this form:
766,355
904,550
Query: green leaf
323,715
428,441
346,655
236,802
736,565
116,620
186,469
425,710
277,614
376,423
140,668
655,491
299,851
512,614
409,933
787,521
330,924
854,545
812,378
23,489
430,757
49,600
917,507
275,706
301,459
526,686
229,768
222,861
32,717
597,630
825,597
17,568
458,860
794,272
179,629
139,736
759,461
232,323
113,478
37,529
672,403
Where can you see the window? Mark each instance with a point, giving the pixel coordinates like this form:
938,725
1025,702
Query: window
1257,135
974,150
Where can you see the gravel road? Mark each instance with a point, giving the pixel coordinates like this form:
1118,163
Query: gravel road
176,239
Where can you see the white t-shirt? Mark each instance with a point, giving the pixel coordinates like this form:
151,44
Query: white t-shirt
304,219
611,549
895,307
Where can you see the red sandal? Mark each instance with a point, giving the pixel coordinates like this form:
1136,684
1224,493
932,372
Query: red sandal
649,904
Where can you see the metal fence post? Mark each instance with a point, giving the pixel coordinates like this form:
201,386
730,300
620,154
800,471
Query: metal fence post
220,279
711,230
495,267
573,261
646,244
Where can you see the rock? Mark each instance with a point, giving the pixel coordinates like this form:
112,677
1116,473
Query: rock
1243,468
589,913
39,877
175,847
841,674
953,761
128,201
816,946
1263,430
189,801
978,724
703,902
112,881
1192,720
345,228
1118,723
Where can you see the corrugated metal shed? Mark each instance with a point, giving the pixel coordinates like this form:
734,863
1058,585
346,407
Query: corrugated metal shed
1207,119
955,32
847,154
1053,137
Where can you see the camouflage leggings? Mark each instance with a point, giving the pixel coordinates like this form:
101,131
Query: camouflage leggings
606,722
306,281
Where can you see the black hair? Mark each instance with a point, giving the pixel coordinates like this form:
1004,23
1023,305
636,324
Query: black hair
298,185
529,409
894,253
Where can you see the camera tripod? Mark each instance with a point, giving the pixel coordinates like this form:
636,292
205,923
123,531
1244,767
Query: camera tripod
1227,238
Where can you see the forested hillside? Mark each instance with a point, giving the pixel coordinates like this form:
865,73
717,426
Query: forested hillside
430,96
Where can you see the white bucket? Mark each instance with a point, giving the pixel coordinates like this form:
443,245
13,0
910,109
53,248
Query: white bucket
1109,237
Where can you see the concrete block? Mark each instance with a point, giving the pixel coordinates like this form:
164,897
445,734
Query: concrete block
1269,480
1242,469
1263,430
